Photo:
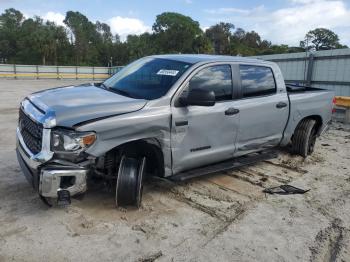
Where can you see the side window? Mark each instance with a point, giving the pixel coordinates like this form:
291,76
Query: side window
257,80
214,78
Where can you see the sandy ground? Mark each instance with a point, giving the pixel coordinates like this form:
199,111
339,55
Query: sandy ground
222,217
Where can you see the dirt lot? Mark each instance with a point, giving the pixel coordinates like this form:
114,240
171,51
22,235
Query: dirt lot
223,217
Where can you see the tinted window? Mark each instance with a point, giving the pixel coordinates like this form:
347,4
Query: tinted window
147,78
257,80
215,78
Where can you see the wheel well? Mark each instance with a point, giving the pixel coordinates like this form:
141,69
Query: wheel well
318,120
149,148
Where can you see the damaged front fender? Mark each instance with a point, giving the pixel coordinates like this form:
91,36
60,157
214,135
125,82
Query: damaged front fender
151,123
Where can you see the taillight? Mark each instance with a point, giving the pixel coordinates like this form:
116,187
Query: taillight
334,101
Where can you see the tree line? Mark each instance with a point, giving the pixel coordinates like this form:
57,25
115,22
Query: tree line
82,42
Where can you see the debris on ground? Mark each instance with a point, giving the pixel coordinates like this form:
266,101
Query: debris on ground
285,190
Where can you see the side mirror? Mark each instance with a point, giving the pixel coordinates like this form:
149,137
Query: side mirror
198,97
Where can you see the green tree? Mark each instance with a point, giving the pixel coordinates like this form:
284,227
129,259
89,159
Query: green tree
321,39
105,32
35,41
31,41
42,42
239,34
220,36
84,36
120,53
253,39
248,43
103,43
141,45
10,25
202,45
176,33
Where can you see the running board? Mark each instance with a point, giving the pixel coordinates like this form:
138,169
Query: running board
226,165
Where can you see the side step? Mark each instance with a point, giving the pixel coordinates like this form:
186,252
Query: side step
226,165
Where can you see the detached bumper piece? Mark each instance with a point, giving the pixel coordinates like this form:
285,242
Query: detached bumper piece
285,190
61,184
52,181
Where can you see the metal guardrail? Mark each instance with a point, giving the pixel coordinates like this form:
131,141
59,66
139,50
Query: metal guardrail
56,72
343,101
342,109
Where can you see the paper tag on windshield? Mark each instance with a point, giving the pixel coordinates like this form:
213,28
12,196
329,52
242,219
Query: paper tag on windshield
166,72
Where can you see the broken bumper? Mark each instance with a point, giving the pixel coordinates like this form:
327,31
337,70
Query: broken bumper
53,180
47,179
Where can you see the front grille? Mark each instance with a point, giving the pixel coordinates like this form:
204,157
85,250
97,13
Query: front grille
32,132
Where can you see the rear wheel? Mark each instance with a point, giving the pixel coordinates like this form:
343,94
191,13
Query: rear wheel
304,138
130,181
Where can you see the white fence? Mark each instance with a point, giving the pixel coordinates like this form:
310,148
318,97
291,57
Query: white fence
56,72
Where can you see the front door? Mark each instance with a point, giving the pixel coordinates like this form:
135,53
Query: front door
201,135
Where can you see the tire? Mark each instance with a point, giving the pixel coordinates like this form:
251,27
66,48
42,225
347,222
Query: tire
130,182
304,139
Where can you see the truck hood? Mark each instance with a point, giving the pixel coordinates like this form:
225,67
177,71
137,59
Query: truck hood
72,105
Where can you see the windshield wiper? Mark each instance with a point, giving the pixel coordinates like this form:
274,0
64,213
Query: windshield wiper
117,91
104,86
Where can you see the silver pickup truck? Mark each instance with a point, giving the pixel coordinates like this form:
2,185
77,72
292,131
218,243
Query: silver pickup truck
173,116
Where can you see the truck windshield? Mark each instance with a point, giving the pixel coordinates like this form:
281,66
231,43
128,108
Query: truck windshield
147,78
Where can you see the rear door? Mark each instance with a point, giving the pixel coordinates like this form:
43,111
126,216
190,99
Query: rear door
202,135
263,110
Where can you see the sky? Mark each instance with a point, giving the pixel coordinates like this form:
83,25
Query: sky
281,22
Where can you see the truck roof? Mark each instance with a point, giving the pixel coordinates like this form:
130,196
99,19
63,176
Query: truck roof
194,58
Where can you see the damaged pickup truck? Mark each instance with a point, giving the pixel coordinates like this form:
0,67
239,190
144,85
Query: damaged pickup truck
173,116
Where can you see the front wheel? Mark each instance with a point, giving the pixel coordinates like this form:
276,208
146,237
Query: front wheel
130,181
304,138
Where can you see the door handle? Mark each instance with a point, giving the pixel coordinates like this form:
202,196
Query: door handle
181,123
281,104
231,111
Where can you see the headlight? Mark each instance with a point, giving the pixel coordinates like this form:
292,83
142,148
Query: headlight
71,141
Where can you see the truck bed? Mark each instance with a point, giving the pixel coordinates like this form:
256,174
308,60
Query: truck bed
292,88
306,101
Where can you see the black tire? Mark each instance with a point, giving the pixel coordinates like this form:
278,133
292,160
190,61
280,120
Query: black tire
130,182
304,138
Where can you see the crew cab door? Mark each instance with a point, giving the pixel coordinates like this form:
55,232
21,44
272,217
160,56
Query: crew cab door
201,135
263,107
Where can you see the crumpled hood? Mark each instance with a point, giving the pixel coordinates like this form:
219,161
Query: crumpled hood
75,104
